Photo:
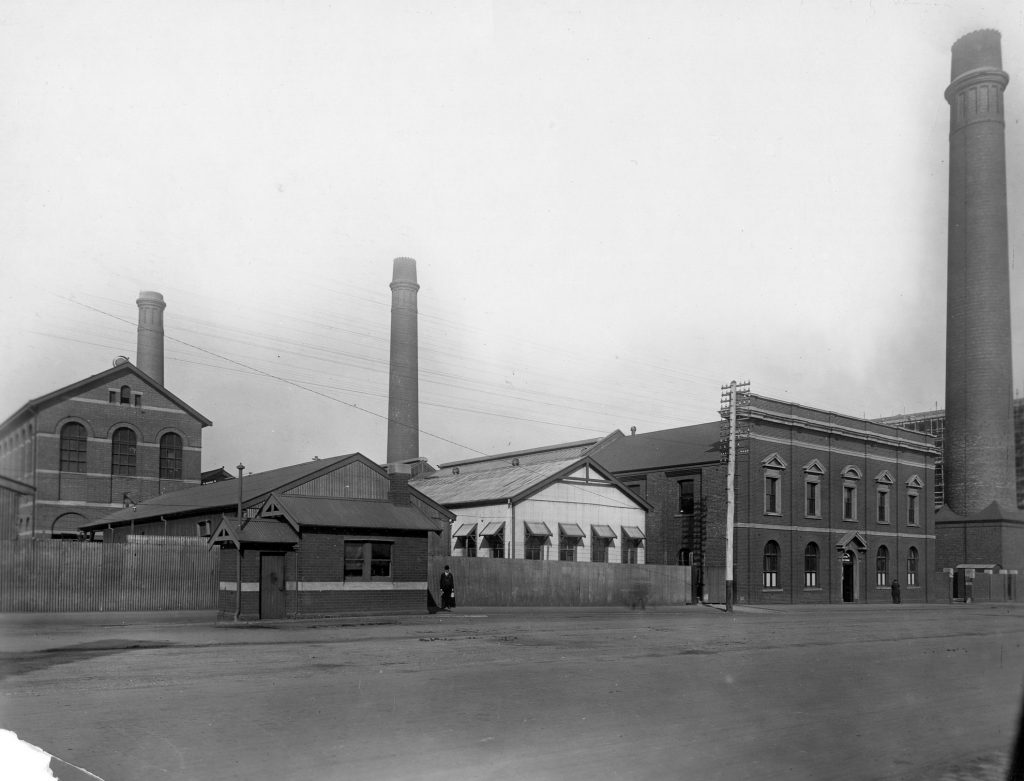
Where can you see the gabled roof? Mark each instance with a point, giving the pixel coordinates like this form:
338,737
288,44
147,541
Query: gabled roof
223,495
510,480
97,379
684,446
257,530
565,451
301,511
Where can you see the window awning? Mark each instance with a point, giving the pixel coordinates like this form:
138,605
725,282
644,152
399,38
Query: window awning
493,529
466,530
570,530
633,532
537,529
603,531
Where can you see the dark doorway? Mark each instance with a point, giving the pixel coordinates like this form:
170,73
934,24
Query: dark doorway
272,585
959,584
849,573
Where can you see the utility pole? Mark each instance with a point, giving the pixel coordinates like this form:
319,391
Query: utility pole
238,549
729,399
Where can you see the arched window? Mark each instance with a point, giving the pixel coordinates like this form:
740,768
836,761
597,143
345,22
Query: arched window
122,452
73,443
126,394
882,567
771,565
170,457
811,565
912,567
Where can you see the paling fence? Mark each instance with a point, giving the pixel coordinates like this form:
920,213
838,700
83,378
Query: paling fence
156,573
526,583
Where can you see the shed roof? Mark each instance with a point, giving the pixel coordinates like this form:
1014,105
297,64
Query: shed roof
698,444
220,495
349,513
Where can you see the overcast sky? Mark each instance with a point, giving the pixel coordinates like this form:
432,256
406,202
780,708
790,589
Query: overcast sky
615,208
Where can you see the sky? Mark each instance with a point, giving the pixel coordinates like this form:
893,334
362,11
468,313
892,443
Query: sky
615,208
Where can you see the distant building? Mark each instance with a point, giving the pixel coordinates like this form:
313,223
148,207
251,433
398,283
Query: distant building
829,508
548,503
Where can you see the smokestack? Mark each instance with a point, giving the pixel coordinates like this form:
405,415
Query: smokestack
978,447
403,396
150,353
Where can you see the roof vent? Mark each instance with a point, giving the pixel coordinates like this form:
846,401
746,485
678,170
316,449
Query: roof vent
120,360
515,462
455,470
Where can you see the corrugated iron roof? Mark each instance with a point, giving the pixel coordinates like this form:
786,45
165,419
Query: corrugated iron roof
354,514
538,529
603,531
215,496
633,532
256,531
502,481
571,530
493,528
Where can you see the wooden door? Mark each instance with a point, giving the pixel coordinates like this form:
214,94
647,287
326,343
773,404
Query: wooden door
272,585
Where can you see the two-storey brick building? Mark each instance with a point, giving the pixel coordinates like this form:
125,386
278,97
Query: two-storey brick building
828,507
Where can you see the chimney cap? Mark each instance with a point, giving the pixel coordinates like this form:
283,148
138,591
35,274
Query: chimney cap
404,270
150,297
978,49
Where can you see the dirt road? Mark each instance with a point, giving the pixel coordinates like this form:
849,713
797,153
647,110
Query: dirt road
901,692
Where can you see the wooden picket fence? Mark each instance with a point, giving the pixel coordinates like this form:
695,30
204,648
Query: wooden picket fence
155,573
518,582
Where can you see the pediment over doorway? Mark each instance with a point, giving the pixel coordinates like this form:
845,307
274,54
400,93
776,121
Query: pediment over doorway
852,539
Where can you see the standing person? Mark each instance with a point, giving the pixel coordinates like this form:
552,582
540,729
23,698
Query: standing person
895,592
447,589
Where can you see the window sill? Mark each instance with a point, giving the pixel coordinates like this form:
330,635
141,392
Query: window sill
773,515
850,520
813,588
772,590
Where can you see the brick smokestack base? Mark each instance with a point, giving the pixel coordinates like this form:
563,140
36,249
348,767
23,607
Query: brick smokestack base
398,475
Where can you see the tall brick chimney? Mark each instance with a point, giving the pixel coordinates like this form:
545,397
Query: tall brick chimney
150,352
403,393
978,455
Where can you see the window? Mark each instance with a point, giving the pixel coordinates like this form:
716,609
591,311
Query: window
811,566
882,567
883,505
170,457
126,394
367,560
771,565
569,536
600,541
771,493
73,443
113,397
811,492
202,528
122,456
851,476
686,496
534,547
912,567
914,488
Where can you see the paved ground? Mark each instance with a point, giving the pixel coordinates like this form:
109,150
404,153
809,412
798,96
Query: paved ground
846,692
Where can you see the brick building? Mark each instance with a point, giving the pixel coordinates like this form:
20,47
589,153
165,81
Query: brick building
113,439
325,537
829,508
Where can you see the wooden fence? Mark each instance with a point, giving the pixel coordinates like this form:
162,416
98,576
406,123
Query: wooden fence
518,582
156,573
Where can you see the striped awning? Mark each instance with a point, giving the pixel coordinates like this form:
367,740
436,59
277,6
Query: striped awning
633,532
604,532
570,530
493,529
537,529
466,530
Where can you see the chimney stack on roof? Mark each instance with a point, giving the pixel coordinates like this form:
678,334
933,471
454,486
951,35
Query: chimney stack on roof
403,392
150,352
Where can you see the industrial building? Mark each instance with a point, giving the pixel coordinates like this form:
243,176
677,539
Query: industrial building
828,508
108,441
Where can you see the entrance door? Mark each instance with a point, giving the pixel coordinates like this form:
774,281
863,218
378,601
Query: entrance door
272,585
849,589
